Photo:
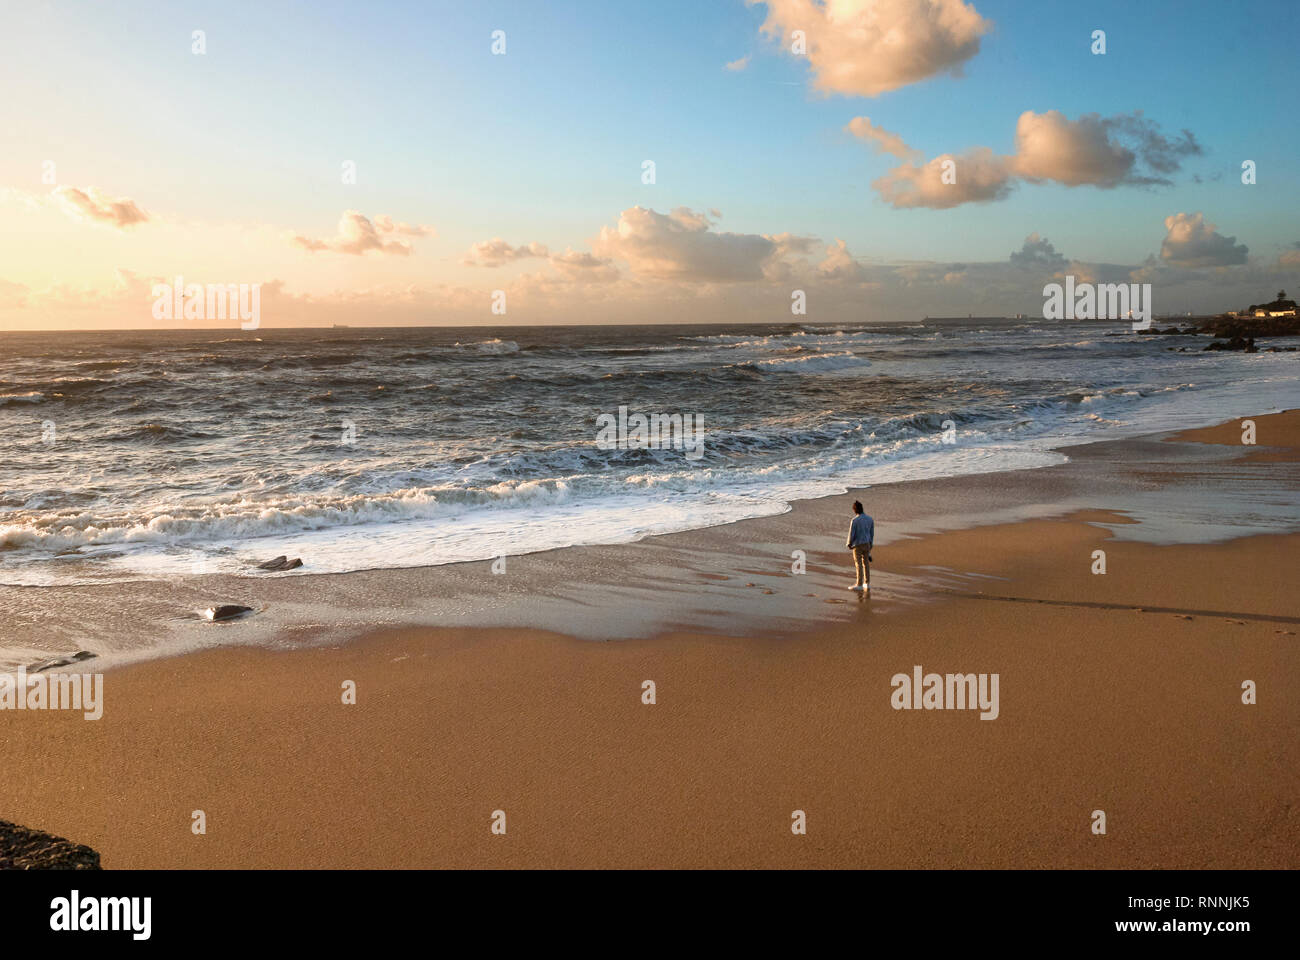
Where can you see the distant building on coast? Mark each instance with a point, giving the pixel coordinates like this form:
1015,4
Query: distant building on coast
1280,307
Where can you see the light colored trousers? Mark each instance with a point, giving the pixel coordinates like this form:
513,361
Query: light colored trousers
860,563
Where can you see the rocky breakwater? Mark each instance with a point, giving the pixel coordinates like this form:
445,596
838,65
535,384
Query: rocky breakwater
24,849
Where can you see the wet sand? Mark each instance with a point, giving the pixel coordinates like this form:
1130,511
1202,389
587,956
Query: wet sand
1118,692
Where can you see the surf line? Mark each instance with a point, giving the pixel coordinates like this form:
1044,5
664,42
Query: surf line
657,431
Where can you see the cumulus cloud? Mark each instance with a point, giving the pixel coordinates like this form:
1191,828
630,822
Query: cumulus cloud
682,246
839,264
497,253
1104,152
789,244
868,47
578,260
735,66
94,206
1051,147
582,267
1096,150
786,248
977,176
1192,241
881,140
386,224
357,234
1092,272
1100,151
1038,253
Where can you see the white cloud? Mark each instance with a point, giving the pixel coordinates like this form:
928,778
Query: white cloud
94,206
681,246
1098,151
496,253
386,224
1051,147
357,234
1103,152
882,140
1037,253
867,47
1191,241
840,265
977,176
584,267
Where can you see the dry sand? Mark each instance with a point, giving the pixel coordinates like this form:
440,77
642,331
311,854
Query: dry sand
1119,692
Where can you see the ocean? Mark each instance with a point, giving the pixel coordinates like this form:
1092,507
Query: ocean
147,454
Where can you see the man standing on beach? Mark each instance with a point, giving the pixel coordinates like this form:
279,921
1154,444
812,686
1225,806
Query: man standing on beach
862,533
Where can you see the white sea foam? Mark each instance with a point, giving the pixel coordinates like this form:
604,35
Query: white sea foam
432,478
493,347
814,363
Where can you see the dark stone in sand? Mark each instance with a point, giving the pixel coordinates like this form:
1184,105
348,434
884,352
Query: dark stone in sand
227,611
23,849
61,661
280,563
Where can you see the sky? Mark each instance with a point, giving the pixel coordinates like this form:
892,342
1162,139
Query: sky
406,163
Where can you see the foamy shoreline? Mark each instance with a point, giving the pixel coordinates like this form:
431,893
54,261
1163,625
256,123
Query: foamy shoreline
587,590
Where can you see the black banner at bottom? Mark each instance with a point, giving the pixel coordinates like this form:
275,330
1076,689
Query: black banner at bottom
624,909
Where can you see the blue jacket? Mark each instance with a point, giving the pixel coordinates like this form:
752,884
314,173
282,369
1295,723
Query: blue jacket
862,531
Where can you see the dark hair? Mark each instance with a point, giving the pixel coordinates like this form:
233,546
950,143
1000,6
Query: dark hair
857,506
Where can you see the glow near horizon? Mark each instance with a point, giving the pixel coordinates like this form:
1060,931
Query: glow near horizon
231,151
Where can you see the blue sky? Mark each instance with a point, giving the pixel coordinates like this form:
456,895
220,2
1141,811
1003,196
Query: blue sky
545,144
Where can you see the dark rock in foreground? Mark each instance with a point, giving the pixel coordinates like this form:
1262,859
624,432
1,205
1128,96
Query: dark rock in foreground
280,563
1251,327
1236,343
23,849
53,662
226,611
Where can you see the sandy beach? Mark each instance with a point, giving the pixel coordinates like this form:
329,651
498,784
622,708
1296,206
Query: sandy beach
1119,692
